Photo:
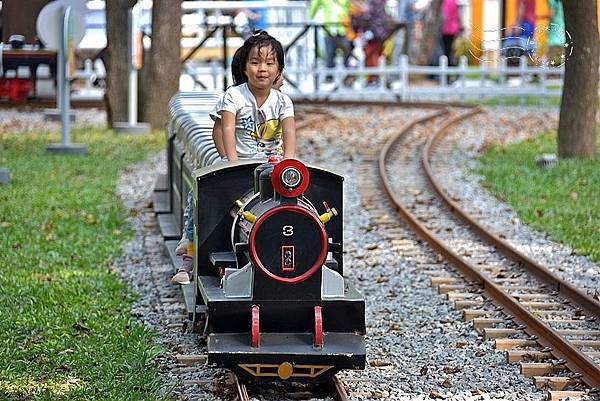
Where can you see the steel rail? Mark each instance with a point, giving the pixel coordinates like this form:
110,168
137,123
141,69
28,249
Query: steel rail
565,289
547,336
338,390
240,389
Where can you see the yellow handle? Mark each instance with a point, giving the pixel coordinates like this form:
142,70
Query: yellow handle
249,217
325,217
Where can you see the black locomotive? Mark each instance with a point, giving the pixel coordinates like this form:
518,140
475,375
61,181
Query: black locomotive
268,289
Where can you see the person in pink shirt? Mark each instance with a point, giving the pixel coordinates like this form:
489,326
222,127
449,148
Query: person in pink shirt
451,27
526,24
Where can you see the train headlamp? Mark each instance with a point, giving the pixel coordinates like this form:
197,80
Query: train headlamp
291,178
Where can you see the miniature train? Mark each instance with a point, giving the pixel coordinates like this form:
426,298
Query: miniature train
268,288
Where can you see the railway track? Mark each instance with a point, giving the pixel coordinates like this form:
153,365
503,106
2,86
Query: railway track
334,388
547,325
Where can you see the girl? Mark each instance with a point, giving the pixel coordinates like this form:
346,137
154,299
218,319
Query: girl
257,120
275,117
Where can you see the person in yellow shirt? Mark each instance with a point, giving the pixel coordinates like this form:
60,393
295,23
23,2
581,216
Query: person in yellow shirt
335,15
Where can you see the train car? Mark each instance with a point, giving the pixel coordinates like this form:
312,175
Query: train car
268,288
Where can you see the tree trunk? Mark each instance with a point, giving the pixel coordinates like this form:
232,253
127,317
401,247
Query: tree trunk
18,19
164,66
117,32
431,34
579,105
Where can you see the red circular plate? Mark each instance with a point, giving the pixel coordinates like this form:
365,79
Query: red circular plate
276,178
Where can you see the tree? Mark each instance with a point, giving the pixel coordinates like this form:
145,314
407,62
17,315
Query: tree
164,66
115,59
579,104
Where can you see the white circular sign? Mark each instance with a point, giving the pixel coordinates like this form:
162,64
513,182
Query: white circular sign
50,23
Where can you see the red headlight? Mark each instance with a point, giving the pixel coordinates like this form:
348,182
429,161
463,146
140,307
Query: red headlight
290,178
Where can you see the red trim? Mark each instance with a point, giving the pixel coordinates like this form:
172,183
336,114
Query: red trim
276,178
318,340
274,159
258,264
283,266
255,334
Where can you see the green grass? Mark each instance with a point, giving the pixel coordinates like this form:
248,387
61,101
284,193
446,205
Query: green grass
564,201
553,101
65,328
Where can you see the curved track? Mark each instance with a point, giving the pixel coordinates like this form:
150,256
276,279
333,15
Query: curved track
527,292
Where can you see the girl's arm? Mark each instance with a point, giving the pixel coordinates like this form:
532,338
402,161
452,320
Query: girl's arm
217,135
228,127
289,137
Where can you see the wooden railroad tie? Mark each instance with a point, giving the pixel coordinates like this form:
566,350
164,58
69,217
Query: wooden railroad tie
480,323
190,360
446,288
513,356
556,383
470,314
512,343
442,280
561,395
531,369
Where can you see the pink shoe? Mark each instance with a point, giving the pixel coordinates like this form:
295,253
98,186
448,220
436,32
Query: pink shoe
184,273
182,277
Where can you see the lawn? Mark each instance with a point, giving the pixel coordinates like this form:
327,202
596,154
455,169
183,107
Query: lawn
65,327
564,201
551,101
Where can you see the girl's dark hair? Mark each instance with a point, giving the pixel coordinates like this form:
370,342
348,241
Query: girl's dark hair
258,39
237,68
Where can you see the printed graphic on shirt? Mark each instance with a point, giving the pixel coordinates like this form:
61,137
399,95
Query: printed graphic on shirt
268,137
258,130
248,123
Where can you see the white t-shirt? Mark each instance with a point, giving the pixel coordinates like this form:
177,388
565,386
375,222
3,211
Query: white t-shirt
215,113
258,131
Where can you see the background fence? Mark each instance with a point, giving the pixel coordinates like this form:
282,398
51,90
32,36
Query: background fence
412,82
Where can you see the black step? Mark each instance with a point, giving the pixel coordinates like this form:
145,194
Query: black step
168,226
161,202
161,183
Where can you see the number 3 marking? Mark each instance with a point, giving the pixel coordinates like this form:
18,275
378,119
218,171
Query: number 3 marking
288,231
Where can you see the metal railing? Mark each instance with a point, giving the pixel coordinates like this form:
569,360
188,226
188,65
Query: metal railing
409,82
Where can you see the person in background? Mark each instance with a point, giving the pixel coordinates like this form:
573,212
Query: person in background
335,14
374,22
451,28
556,34
257,18
526,24
405,16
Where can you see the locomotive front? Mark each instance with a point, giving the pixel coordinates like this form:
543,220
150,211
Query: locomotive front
281,308
287,240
